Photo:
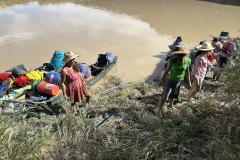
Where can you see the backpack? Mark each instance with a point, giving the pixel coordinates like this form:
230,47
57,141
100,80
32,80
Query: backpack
21,81
4,76
225,46
34,75
47,67
84,69
19,70
102,60
53,77
57,58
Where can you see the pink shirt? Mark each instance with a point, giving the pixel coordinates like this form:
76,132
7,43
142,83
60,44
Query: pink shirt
199,67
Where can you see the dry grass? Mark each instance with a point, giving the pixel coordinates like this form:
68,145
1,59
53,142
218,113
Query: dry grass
207,129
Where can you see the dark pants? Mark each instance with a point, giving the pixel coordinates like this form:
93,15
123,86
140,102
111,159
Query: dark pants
223,61
171,89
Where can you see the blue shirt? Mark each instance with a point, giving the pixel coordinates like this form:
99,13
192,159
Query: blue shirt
176,43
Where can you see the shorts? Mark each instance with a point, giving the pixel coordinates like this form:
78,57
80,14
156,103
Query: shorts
171,89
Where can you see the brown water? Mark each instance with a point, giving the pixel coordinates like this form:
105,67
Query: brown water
138,31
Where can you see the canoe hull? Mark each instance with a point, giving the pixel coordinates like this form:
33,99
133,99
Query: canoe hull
103,72
98,74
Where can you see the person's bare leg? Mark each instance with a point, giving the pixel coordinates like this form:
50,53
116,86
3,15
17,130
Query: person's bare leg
170,100
74,109
160,104
194,89
88,99
192,94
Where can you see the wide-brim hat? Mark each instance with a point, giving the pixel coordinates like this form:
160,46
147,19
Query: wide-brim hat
206,46
68,56
179,49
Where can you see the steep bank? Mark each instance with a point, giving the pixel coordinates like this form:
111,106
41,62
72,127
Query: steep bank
207,129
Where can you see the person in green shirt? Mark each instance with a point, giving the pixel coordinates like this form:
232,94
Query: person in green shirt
177,70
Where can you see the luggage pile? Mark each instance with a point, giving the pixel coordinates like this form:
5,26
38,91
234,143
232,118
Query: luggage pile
41,86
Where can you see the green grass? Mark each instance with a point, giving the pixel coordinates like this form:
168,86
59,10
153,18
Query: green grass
208,129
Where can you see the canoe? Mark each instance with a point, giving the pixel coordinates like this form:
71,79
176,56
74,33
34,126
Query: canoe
50,100
96,71
17,95
99,72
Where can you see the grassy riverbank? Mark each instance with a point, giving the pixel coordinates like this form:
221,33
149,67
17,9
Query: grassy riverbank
206,129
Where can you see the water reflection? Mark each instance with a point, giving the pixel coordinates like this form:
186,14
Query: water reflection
32,32
137,30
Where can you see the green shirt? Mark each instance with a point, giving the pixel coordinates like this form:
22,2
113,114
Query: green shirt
178,70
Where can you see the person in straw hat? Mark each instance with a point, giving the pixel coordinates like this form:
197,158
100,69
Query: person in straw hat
199,68
73,84
177,70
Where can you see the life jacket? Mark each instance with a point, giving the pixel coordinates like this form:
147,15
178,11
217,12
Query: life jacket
225,47
57,58
84,69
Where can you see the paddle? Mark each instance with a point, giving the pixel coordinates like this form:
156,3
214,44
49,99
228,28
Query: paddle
113,113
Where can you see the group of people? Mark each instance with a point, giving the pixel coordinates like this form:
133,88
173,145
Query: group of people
193,70
179,68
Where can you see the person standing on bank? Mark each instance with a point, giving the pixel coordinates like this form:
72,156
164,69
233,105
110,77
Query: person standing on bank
177,70
199,68
72,82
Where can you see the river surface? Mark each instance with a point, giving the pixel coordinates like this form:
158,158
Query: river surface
138,31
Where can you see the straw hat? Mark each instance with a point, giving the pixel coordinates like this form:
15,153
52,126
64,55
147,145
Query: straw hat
206,46
179,49
68,56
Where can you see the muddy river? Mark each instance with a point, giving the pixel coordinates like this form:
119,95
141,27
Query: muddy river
138,31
